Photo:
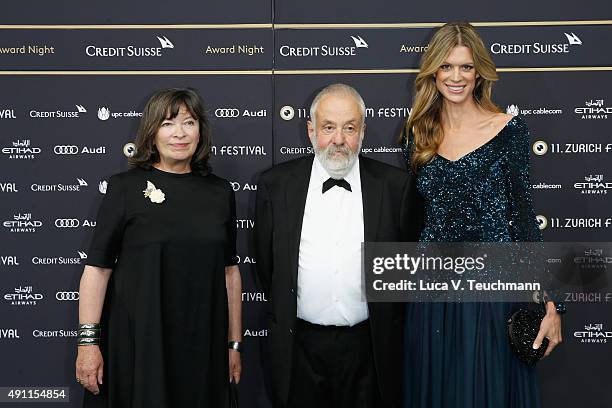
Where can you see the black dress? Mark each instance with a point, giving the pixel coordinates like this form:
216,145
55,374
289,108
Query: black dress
165,320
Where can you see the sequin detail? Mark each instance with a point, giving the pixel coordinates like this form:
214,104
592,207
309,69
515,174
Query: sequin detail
483,196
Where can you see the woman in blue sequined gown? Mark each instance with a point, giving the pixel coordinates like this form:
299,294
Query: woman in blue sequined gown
471,164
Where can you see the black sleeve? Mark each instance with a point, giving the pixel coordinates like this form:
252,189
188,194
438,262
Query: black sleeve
263,237
110,225
524,225
230,248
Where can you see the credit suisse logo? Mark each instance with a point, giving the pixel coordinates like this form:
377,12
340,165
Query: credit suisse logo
326,50
130,50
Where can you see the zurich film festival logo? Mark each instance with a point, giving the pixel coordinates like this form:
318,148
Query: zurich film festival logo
8,187
61,188
21,150
239,150
593,185
131,50
58,114
564,46
7,114
9,334
245,224
105,114
573,222
326,50
9,260
60,260
515,110
593,110
22,223
594,333
254,297
23,296
288,112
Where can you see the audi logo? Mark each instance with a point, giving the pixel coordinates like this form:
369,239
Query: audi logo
67,223
227,113
67,295
66,149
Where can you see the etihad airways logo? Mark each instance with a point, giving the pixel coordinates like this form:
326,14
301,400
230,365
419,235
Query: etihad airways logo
593,109
22,223
593,184
325,50
130,50
538,47
593,333
23,296
21,150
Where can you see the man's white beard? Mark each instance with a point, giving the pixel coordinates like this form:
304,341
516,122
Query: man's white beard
337,165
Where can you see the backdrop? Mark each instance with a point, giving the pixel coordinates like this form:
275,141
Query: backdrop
74,79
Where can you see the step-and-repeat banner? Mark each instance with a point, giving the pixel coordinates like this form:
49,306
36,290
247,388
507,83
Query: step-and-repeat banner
74,80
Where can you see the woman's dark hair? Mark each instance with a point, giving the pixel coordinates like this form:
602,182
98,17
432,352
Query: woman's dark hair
165,104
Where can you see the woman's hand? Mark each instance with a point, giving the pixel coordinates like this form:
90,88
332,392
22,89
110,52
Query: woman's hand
89,365
235,366
549,328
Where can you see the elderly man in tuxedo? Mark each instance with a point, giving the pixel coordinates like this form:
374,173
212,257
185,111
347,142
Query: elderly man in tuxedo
327,346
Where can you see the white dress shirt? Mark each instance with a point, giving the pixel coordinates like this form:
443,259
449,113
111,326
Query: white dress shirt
330,290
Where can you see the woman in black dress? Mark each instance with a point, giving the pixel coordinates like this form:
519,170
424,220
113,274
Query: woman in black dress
161,292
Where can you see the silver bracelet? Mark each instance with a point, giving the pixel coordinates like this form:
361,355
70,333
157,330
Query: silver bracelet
235,345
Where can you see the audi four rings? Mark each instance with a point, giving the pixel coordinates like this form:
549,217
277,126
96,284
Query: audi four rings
227,113
67,295
66,149
67,223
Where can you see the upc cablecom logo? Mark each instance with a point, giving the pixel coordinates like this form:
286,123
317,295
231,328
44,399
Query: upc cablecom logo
155,48
104,113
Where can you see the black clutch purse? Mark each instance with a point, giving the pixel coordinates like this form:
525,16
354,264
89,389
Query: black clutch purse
523,328
233,395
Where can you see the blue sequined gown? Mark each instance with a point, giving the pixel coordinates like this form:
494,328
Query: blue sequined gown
458,354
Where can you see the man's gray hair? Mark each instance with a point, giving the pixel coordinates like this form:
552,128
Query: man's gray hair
337,89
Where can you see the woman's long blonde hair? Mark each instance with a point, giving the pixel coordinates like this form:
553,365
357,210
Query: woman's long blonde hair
424,120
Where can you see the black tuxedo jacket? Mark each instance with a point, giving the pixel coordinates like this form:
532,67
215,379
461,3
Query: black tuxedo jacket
389,215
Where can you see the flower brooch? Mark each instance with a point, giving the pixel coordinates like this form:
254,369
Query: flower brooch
154,194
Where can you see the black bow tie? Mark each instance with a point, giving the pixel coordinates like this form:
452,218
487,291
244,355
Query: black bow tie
330,182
